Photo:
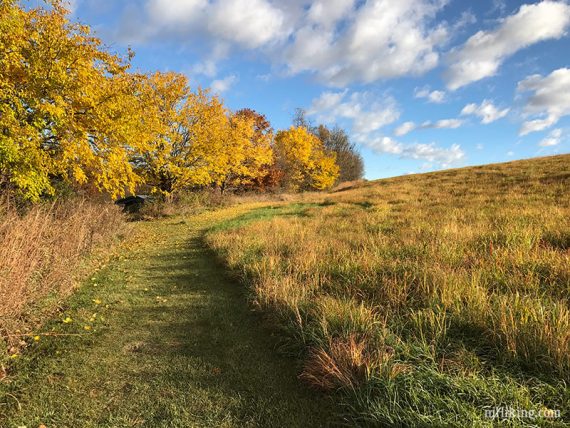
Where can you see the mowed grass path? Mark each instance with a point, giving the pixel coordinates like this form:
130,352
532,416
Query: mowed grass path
172,343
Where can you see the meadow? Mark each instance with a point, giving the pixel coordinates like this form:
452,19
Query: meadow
425,300
422,300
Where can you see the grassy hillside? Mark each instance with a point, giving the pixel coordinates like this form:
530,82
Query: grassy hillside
423,299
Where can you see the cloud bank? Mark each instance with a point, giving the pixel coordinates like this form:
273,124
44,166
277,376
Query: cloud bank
482,55
549,99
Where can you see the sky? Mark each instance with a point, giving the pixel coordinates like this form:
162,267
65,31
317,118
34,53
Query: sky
419,85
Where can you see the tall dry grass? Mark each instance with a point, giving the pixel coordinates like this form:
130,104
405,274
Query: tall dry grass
41,252
448,288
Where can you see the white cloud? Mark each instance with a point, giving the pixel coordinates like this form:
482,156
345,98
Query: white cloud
385,145
431,152
486,111
537,125
404,129
222,85
436,97
548,102
553,139
165,12
365,113
408,127
445,123
479,147
367,42
482,55
328,12
341,41
250,23
367,116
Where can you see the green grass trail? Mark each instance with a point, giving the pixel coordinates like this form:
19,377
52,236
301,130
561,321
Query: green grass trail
171,342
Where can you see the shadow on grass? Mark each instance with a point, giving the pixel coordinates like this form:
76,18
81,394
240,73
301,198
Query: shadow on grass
178,347
217,347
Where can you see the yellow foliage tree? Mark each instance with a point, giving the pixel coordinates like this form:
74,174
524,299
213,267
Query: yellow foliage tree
190,131
197,142
72,112
303,160
68,110
248,152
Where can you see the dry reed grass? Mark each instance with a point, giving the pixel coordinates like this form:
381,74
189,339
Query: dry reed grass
41,252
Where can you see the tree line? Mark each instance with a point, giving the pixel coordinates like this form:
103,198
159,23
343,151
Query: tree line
73,115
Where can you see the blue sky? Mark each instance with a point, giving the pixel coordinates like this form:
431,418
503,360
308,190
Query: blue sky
419,84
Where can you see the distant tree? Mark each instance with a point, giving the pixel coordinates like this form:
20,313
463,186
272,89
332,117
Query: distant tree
261,125
348,158
304,161
263,174
190,136
300,119
248,150
335,140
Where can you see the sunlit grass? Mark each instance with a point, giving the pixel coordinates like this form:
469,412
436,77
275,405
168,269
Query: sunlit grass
425,298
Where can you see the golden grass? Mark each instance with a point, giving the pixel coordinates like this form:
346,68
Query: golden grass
474,261
41,251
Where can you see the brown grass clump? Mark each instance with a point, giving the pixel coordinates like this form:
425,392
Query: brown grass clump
346,363
41,251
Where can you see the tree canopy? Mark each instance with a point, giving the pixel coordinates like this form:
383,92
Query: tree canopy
72,112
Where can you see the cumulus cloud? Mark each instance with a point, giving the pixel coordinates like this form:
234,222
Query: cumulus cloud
385,145
407,127
365,113
444,157
375,40
341,41
366,117
486,111
553,139
328,12
250,24
549,99
222,85
482,55
436,97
